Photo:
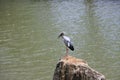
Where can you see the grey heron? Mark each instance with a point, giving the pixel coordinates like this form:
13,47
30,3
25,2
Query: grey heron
67,42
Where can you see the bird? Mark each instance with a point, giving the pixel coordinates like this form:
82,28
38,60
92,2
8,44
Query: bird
67,42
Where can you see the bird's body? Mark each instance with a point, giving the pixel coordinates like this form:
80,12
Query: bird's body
67,42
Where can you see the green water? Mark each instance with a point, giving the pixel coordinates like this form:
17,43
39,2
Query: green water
29,48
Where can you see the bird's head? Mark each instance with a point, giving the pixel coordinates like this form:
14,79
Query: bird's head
61,34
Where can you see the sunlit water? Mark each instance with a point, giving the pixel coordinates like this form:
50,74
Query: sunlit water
29,48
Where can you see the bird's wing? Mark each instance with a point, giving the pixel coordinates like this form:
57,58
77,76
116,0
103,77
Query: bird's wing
66,38
68,43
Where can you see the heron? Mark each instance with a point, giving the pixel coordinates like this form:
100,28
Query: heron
67,42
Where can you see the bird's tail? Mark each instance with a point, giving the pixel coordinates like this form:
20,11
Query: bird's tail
71,47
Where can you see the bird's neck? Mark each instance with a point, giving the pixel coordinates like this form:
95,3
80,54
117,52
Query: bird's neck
61,36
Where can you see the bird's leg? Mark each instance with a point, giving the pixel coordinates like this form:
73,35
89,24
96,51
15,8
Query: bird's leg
66,51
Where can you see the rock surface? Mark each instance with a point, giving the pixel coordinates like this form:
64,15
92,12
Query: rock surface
71,68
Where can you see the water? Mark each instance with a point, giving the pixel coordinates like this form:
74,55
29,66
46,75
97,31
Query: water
29,48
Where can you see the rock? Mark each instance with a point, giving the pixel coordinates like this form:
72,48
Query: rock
71,68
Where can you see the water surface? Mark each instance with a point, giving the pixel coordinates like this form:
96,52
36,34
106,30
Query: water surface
29,48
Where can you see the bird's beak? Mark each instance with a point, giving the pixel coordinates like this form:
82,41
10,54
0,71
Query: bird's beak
59,36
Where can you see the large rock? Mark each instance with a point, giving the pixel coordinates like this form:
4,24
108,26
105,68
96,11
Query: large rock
71,68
